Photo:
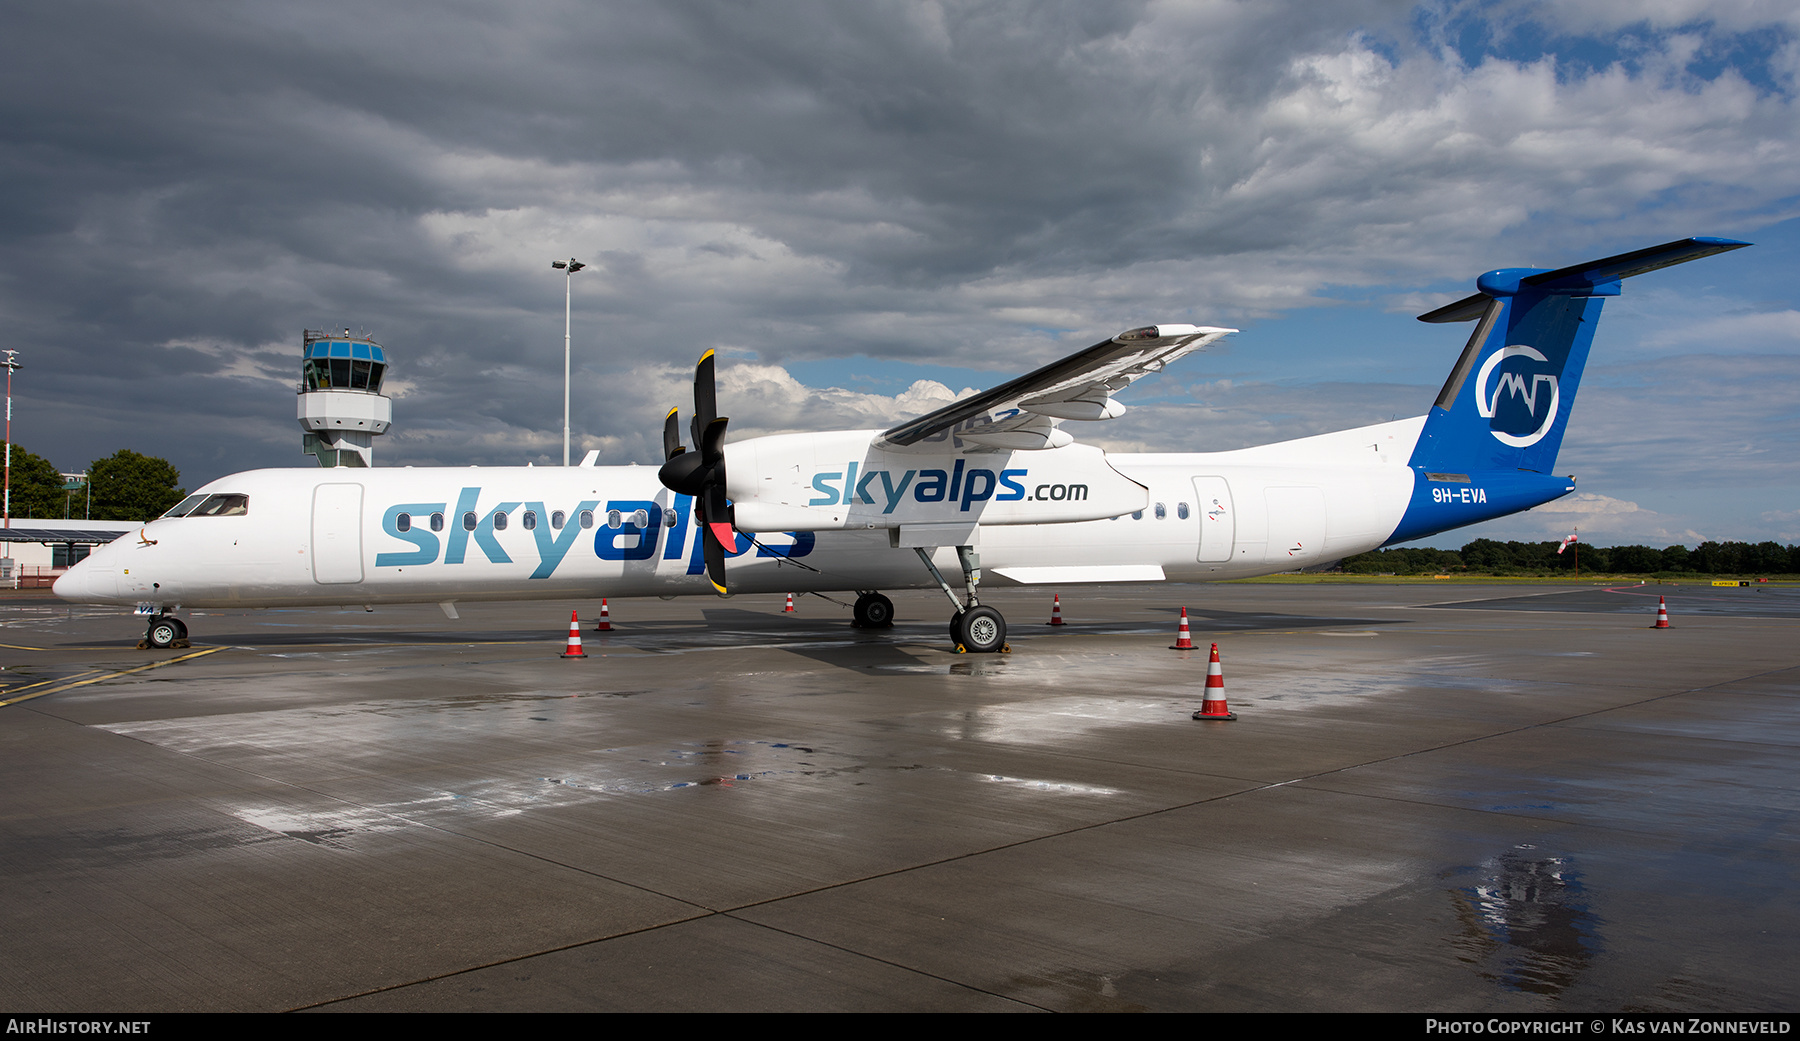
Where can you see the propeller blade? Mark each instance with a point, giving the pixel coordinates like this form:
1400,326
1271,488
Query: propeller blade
672,446
712,446
706,401
715,559
715,530
717,514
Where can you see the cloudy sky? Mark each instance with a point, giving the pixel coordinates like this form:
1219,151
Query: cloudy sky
847,198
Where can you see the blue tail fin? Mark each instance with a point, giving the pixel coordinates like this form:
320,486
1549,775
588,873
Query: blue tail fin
1507,402
1491,439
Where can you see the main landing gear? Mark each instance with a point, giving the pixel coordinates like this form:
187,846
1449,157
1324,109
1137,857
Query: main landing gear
164,631
872,611
973,628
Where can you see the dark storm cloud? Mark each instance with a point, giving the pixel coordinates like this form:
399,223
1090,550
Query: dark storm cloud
188,185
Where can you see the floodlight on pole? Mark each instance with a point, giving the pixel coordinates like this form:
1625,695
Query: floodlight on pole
570,267
11,363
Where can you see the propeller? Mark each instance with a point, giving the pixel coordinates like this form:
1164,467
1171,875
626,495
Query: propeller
701,473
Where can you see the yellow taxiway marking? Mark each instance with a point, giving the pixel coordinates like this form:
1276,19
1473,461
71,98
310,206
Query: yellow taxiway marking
97,675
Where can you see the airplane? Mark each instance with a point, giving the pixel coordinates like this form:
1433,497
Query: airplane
993,481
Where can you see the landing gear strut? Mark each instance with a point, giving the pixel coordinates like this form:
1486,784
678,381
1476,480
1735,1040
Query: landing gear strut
164,631
974,628
872,611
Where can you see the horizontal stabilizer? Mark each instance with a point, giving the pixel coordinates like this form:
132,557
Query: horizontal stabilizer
1581,279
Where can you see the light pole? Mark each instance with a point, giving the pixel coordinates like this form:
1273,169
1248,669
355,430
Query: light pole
11,363
568,294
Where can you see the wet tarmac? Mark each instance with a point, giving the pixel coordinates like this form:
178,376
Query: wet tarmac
1441,797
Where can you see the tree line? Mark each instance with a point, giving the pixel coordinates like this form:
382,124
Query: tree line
1487,556
125,486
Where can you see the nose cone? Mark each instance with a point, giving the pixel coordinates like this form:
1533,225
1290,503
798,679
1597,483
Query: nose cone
88,582
71,585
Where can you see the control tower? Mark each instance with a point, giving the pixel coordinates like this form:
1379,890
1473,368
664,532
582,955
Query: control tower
341,404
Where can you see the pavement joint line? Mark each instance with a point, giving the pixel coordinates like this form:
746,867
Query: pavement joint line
71,685
515,959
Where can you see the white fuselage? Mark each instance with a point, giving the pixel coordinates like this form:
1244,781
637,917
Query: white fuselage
337,536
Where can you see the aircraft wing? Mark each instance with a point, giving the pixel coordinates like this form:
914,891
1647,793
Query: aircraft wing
1022,413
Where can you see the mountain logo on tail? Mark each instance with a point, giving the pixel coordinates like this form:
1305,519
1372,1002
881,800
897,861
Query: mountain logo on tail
1517,391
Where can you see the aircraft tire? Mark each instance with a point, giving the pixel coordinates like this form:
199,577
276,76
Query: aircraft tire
980,630
180,628
163,633
873,611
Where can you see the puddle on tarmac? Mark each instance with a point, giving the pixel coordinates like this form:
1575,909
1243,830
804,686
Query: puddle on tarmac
1526,921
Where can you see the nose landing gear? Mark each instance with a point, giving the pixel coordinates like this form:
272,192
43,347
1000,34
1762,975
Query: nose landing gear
979,630
164,632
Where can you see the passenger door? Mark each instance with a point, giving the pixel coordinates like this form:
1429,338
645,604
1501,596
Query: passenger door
337,534
1217,523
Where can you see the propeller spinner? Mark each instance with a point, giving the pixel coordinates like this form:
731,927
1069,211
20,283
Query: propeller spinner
701,473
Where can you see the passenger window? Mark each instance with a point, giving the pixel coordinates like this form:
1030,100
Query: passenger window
499,522
437,522
587,518
469,521
1139,515
641,518
669,518
613,519
529,520
1161,512
556,520
1181,510
403,522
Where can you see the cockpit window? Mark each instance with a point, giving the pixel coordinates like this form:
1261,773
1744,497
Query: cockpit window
222,506
186,505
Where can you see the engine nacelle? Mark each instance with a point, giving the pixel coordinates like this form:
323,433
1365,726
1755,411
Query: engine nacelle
839,480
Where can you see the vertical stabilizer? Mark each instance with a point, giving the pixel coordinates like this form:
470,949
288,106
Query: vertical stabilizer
1491,439
1507,402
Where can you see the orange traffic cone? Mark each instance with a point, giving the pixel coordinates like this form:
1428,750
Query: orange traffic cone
1055,609
1213,705
790,604
574,649
604,625
1183,642
1662,614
